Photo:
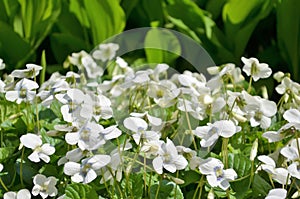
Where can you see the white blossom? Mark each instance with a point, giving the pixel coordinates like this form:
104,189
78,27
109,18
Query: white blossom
44,186
215,173
2,64
209,134
21,194
32,71
106,52
255,69
40,150
23,91
169,159
86,171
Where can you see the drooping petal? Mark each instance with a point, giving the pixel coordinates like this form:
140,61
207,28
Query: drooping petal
135,124
292,116
158,165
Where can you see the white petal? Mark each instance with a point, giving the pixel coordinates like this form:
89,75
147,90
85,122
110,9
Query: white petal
39,179
44,157
12,95
10,195
48,149
71,168
170,167
180,162
230,174
158,165
290,153
72,138
212,180
292,116
99,161
226,128
34,157
277,193
207,166
272,136
267,160
90,176
77,178
135,124
23,194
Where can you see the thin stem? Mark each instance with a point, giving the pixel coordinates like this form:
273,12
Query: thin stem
21,167
225,152
158,187
189,123
250,84
3,185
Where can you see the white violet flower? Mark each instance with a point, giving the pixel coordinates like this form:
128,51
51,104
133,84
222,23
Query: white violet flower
255,69
44,186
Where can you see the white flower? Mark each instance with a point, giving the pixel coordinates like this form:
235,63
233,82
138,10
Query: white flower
292,154
40,150
277,193
106,51
32,71
86,171
21,194
45,186
76,59
215,174
91,67
255,69
280,175
273,136
288,86
23,91
169,159
2,65
96,106
72,101
259,110
210,133
139,127
155,122
87,137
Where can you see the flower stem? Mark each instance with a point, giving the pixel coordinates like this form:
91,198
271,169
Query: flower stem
21,167
225,152
3,185
250,84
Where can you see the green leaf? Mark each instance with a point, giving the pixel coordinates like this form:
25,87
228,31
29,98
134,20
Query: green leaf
161,46
260,187
135,184
106,18
80,191
240,163
166,190
12,47
288,29
240,19
6,153
190,177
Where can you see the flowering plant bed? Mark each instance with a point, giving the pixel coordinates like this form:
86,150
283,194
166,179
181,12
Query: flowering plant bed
146,133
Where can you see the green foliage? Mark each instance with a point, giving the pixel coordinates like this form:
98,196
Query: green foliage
288,29
165,189
80,191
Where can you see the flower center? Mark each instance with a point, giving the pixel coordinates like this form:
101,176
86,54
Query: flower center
219,172
23,93
97,110
85,134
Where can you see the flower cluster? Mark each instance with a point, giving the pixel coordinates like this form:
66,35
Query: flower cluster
151,125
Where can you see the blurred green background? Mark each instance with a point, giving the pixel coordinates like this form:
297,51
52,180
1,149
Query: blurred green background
227,29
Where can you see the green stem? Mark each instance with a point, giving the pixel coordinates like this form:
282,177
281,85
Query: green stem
3,185
21,167
225,152
158,187
250,84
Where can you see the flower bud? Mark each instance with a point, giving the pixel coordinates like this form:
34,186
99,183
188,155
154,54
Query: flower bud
253,152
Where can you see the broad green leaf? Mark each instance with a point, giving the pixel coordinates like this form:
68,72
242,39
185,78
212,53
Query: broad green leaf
12,47
288,29
161,46
166,190
241,188
80,191
106,19
240,163
194,17
77,8
240,19
260,187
